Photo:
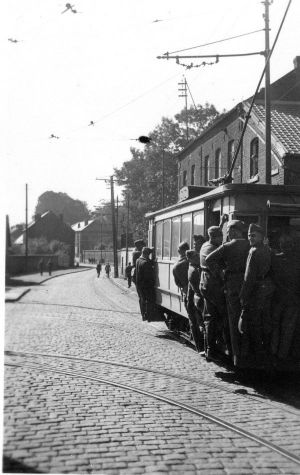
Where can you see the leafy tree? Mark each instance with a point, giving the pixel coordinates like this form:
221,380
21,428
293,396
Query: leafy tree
61,203
155,166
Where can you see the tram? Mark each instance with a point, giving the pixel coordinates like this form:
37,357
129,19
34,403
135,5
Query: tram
274,207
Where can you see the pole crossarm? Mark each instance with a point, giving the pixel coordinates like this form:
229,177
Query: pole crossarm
168,56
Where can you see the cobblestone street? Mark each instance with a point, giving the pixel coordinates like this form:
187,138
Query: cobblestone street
90,388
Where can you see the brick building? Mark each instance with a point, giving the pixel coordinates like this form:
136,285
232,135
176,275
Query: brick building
92,233
209,156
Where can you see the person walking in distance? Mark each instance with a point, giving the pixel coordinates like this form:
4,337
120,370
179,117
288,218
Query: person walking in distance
41,266
98,269
107,269
49,266
128,270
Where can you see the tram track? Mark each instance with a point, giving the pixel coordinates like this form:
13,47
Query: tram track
208,384
164,399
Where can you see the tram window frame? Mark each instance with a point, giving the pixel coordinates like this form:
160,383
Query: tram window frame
159,234
182,237
175,242
166,244
195,215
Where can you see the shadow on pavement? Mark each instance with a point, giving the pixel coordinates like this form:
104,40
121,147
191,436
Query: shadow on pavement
10,465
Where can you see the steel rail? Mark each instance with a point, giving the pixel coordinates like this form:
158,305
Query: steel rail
253,397
227,425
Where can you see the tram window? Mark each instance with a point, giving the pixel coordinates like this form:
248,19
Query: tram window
166,239
198,223
186,228
184,178
206,170
158,240
175,236
218,158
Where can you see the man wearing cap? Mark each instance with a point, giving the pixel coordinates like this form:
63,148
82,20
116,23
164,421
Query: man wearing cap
198,241
211,288
232,256
145,280
285,314
180,269
194,299
139,244
255,295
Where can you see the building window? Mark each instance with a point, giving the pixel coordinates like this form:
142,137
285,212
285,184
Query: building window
184,178
230,153
206,170
218,163
193,175
254,157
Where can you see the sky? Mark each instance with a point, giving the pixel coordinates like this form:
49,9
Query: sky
100,64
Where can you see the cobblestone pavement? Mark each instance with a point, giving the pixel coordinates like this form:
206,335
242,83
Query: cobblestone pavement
60,418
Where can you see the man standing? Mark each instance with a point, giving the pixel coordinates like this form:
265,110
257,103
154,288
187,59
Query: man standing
255,296
139,244
98,269
194,299
145,280
180,270
232,256
128,270
285,315
211,288
107,269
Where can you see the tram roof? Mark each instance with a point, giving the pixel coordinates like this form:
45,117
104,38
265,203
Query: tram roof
231,189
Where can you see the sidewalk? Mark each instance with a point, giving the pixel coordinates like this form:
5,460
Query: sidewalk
18,286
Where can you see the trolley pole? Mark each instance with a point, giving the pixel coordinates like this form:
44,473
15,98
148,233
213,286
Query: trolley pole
267,94
113,221
26,227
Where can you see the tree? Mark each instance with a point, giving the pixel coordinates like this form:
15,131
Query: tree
61,203
144,172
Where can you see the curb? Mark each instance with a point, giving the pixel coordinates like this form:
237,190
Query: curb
14,297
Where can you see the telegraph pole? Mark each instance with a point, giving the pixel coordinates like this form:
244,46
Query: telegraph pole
26,227
127,230
183,91
113,221
267,3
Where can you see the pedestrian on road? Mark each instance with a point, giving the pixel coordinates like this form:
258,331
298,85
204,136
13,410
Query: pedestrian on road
49,266
41,266
107,269
98,269
128,271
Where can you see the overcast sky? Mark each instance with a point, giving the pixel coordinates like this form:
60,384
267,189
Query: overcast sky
100,65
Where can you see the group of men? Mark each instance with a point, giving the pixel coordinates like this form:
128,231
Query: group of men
228,288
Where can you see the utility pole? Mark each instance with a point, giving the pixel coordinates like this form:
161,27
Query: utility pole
183,91
26,227
113,221
163,180
127,230
267,3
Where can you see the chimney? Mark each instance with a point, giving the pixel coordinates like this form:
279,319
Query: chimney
86,222
296,62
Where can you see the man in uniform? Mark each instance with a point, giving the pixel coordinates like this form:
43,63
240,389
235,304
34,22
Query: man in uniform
286,275
211,288
145,280
139,244
232,256
194,299
180,270
255,296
